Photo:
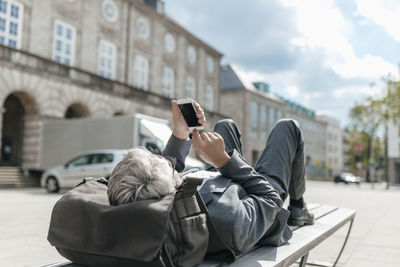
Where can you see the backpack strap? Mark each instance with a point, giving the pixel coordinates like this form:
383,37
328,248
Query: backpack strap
186,204
190,185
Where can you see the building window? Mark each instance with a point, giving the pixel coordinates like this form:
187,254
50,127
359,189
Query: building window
3,6
209,97
254,120
190,88
141,72
64,43
143,28
168,82
169,42
107,59
271,118
264,122
2,24
210,64
11,14
191,54
279,114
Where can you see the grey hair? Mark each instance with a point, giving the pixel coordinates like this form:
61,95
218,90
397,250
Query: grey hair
140,175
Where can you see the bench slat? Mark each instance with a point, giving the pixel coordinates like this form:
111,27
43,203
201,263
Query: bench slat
303,240
318,212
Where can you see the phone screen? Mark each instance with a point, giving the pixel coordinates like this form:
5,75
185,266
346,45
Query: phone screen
189,114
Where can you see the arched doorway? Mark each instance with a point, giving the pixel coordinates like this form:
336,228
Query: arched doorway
76,110
15,109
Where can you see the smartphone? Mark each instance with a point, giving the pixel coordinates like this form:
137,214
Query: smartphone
189,113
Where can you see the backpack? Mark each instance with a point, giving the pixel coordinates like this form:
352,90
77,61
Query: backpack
171,231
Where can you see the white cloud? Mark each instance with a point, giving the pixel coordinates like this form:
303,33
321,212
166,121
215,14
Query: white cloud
375,90
367,66
311,97
384,13
253,76
292,90
323,26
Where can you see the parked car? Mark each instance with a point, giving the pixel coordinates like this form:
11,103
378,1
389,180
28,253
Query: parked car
346,178
95,163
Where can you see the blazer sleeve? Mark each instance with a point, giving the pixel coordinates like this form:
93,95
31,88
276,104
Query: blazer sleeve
257,209
178,149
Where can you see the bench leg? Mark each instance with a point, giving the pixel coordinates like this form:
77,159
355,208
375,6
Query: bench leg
344,244
303,260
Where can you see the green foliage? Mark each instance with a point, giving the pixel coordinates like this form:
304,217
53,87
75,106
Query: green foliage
357,138
366,118
392,101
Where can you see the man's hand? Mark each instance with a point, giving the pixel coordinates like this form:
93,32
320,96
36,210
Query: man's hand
211,148
180,128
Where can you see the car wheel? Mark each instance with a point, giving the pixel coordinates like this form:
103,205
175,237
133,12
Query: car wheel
52,185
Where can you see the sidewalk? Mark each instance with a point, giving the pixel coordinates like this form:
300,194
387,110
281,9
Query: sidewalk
374,240
375,236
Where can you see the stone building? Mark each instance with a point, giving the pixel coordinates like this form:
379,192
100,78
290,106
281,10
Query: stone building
314,132
78,58
256,110
393,141
333,145
393,152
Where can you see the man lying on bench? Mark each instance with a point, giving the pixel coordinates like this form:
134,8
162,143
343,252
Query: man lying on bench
244,203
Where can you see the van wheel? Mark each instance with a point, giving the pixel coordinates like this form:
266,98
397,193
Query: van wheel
52,185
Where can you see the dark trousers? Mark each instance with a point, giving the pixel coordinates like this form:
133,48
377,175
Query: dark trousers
282,161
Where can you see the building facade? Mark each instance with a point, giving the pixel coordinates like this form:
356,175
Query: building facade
333,146
393,152
79,58
314,132
256,111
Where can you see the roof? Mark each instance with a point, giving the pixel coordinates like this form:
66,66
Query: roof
233,78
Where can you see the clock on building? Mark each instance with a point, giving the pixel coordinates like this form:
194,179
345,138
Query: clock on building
110,10
143,28
169,42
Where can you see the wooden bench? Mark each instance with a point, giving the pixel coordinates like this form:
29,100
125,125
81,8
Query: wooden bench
328,219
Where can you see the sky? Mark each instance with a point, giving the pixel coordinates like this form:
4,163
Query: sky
327,55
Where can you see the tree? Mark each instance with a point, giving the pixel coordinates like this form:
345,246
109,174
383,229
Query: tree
391,111
372,113
392,100
367,117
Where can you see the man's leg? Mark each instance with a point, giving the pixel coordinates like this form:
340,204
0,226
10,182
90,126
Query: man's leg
230,132
283,163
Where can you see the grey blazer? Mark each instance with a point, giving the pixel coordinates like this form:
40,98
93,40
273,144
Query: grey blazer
245,209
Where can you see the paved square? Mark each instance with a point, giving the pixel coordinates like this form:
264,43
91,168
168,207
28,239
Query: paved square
374,240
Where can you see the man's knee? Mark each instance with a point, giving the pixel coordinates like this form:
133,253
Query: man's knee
225,123
228,127
290,124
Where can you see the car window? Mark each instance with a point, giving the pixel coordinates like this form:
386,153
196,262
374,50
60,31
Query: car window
102,158
80,161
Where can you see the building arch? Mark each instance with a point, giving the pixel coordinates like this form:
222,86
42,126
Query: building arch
76,110
16,109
